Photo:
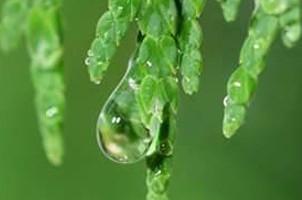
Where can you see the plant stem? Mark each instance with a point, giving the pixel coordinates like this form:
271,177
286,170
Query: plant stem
158,177
159,164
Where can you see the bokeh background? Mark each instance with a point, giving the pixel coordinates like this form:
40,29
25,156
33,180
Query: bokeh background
262,162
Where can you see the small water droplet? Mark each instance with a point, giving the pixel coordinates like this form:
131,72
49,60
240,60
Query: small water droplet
226,101
233,119
166,148
97,82
237,84
90,53
52,111
88,61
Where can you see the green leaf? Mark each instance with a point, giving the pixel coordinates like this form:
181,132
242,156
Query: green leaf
148,93
242,84
230,9
158,56
169,91
234,116
12,26
241,87
191,63
190,40
111,28
275,7
193,8
262,34
44,42
157,18
45,48
290,22
122,8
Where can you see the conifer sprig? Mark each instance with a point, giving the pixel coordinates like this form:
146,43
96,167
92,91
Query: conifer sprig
270,17
39,20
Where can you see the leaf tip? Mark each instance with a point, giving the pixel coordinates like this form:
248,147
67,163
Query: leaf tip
229,132
55,158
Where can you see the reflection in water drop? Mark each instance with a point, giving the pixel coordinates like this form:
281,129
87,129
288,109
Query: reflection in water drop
116,120
132,84
149,63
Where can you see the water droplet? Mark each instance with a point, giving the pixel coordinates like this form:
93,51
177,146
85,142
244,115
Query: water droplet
233,119
226,101
237,84
97,82
52,111
88,61
121,134
166,148
90,53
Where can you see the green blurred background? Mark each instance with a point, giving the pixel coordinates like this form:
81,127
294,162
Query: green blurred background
262,162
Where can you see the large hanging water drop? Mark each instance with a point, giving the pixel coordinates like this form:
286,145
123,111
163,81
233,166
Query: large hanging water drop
121,134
